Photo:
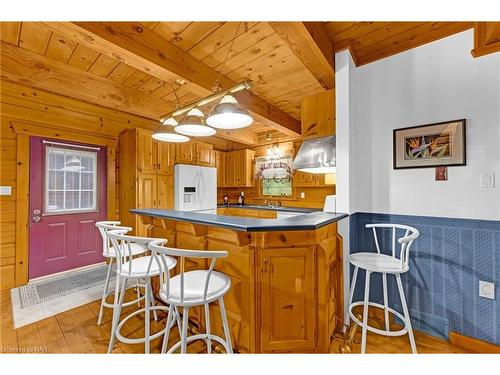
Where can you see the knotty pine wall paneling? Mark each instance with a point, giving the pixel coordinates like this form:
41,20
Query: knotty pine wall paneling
314,195
26,111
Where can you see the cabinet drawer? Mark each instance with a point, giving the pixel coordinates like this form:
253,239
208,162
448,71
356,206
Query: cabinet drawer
267,214
237,211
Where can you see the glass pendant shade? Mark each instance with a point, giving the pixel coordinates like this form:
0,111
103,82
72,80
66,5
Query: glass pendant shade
167,135
170,121
193,125
228,114
166,132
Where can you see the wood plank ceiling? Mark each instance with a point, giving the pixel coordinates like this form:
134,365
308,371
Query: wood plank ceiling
285,61
371,41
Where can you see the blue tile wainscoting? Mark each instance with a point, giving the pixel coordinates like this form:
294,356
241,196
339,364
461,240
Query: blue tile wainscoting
446,263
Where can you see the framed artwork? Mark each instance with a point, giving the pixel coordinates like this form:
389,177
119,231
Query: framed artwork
430,145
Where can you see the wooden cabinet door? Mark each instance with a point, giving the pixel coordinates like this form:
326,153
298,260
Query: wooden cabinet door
304,179
239,168
185,153
147,189
248,168
287,299
146,152
204,154
165,192
230,170
220,164
165,154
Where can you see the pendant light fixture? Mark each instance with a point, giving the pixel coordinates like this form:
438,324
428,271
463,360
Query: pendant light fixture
166,133
193,125
229,114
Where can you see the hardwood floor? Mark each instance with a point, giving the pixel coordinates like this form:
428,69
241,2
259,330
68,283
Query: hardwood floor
76,331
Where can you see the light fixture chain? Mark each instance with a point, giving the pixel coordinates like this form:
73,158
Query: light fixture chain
178,102
217,81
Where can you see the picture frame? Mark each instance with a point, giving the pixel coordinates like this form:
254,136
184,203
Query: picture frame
430,145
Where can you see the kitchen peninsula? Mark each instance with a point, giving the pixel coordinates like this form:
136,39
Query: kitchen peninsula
286,273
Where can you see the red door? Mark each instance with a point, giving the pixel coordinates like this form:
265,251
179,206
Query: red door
67,197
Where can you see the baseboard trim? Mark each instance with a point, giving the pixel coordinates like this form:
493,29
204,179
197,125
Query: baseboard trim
472,344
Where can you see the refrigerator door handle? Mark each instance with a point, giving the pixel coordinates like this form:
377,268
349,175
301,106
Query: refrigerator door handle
200,190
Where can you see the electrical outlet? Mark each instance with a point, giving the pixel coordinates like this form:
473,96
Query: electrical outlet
302,194
487,180
486,289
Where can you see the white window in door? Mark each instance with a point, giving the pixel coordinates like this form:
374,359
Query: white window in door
70,180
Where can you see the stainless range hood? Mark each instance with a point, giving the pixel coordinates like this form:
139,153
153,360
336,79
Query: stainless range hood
317,155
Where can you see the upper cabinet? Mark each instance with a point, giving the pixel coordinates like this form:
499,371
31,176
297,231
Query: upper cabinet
145,175
220,164
195,153
185,153
204,153
153,156
146,155
318,115
239,168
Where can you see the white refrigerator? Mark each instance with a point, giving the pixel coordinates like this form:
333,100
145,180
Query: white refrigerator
195,188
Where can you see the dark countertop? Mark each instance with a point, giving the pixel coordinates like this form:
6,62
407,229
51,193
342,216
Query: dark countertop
308,221
271,208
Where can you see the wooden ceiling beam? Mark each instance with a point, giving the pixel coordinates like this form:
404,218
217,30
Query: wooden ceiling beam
311,43
28,68
143,49
31,69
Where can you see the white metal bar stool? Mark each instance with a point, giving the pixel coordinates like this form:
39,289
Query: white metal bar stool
193,288
386,265
127,267
110,254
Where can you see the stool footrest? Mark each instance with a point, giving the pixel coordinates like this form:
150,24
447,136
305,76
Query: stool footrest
383,332
200,336
124,304
140,340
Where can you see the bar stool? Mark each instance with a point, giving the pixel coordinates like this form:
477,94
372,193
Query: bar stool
386,265
145,267
193,288
110,254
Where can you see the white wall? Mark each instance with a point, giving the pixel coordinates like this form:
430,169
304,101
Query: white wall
343,114
432,83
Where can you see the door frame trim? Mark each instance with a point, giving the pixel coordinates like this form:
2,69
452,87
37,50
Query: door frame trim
23,133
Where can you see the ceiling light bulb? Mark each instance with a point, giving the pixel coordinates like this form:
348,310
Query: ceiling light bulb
193,125
228,114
